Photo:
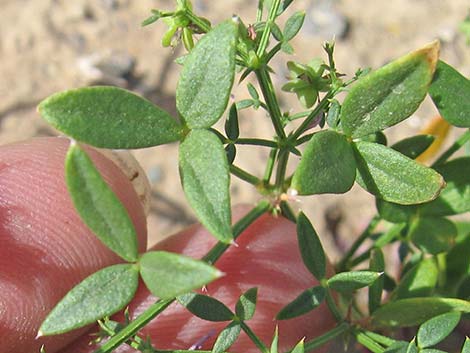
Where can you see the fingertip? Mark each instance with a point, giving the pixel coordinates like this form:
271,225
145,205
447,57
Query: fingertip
46,249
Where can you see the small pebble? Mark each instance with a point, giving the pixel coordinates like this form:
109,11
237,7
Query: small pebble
324,20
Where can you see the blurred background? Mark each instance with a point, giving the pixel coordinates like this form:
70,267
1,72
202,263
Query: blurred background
52,45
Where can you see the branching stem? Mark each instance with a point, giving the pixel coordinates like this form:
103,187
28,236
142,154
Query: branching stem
211,257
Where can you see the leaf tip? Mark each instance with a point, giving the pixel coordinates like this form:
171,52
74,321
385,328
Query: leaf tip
431,52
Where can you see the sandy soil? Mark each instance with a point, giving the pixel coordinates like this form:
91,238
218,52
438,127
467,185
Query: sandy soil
52,45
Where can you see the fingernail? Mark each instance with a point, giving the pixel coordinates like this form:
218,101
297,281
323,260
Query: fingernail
134,172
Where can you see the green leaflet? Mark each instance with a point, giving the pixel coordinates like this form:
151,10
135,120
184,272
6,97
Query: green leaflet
205,177
415,311
419,281
299,348
207,77
168,275
98,206
293,25
455,197
246,304
110,117
377,264
205,307
436,329
449,91
413,146
102,294
402,347
433,235
390,94
227,337
350,281
275,342
232,129
304,303
310,247
393,177
327,165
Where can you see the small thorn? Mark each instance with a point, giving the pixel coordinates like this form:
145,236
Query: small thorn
234,243
39,335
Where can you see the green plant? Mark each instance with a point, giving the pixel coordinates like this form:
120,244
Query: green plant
413,200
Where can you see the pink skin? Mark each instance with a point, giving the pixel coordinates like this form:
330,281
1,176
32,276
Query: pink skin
45,250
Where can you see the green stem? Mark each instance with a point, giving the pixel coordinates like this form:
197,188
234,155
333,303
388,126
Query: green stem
383,240
442,266
368,342
299,115
313,114
343,264
259,11
272,53
211,257
197,21
462,140
282,160
256,142
244,175
359,259
134,326
263,43
303,139
321,340
272,104
216,252
270,166
261,346
330,301
383,340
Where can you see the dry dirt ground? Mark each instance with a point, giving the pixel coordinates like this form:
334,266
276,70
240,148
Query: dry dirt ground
52,45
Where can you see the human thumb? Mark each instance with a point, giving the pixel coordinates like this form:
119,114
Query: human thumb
45,249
